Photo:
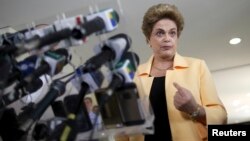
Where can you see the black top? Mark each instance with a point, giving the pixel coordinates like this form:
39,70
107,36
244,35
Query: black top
158,102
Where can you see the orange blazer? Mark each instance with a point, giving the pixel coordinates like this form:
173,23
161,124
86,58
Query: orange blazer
194,75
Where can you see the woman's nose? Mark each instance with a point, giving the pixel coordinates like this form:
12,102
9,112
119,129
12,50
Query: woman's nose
166,37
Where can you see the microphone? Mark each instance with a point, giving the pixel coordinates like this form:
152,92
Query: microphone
127,66
124,71
39,31
56,60
13,38
52,63
57,88
78,118
74,28
122,74
110,18
12,71
11,49
119,101
133,59
110,50
28,65
13,43
13,96
23,69
94,79
38,42
85,82
78,32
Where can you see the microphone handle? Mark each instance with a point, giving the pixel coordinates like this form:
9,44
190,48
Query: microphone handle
54,37
68,129
87,29
43,105
83,91
57,88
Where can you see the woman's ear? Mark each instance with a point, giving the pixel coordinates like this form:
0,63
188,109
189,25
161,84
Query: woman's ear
148,42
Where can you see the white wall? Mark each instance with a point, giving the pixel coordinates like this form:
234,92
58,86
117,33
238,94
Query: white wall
16,12
233,86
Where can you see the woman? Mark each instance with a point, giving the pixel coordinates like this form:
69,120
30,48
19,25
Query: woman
181,90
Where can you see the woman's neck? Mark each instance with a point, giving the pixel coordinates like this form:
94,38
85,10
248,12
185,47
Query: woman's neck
162,63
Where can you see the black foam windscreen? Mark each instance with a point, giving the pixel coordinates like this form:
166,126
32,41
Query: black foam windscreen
37,84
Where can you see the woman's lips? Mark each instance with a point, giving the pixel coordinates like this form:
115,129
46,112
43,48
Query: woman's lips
166,47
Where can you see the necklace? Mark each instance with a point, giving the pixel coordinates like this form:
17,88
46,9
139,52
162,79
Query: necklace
160,69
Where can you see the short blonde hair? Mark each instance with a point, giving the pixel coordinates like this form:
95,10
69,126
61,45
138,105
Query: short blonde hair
158,12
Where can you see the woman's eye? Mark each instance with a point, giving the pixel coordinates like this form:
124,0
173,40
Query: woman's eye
160,33
173,33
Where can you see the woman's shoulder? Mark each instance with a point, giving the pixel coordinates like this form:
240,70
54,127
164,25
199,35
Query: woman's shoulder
192,59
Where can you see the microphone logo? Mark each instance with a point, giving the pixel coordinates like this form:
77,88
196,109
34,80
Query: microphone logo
126,68
110,17
113,17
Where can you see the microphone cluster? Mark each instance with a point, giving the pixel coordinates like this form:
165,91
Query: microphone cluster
118,101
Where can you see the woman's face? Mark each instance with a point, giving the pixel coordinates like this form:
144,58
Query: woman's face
163,39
